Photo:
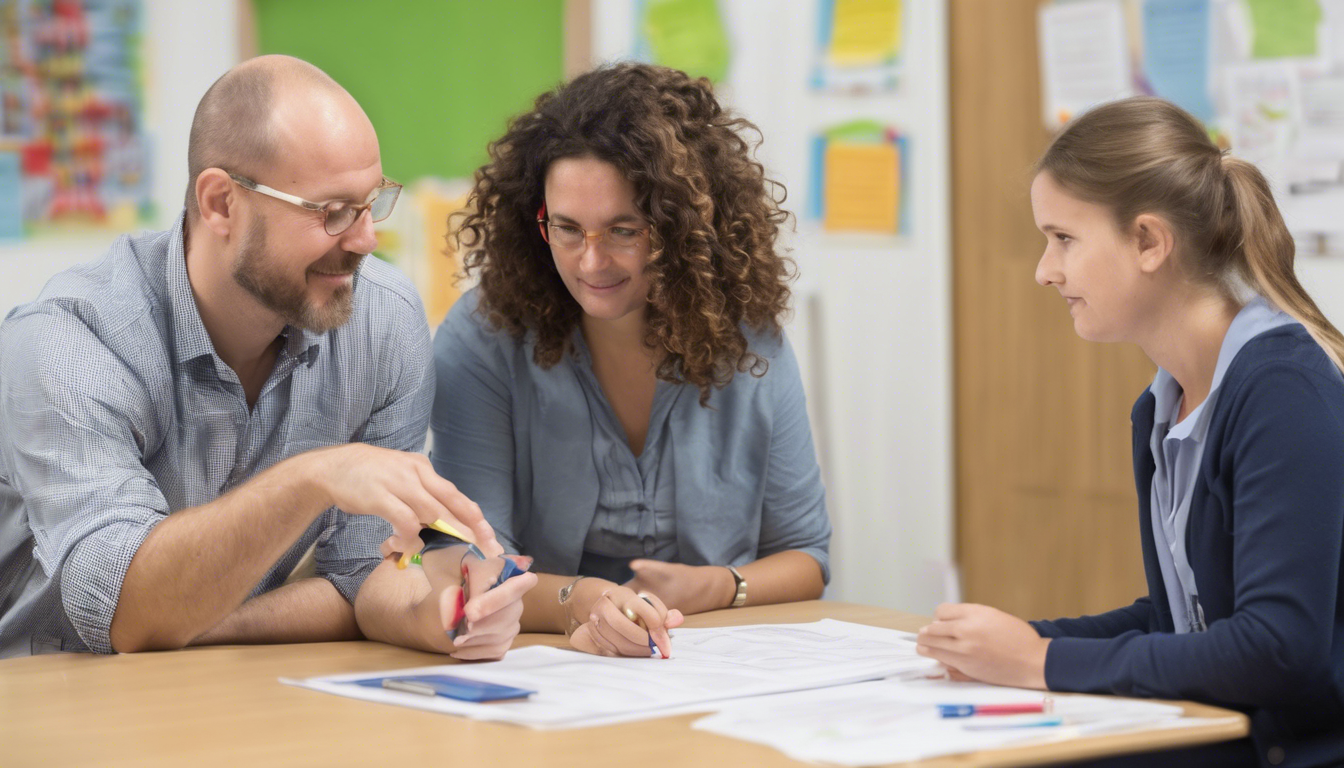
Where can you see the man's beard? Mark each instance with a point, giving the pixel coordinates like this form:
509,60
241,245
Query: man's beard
256,273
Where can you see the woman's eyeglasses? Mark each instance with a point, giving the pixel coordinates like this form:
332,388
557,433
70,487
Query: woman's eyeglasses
571,238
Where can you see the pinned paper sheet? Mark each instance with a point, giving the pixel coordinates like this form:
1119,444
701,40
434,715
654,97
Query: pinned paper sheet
862,187
865,32
11,197
1284,28
688,35
1084,58
1176,53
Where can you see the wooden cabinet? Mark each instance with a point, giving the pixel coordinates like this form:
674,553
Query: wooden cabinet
1046,515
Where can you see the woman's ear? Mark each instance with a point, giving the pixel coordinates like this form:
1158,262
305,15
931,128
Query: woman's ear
1154,240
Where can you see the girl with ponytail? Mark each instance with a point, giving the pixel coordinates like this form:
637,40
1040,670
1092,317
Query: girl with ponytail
1156,237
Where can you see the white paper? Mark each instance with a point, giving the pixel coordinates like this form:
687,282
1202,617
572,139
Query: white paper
707,666
890,721
1084,58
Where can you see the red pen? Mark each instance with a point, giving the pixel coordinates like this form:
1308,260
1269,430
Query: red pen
968,710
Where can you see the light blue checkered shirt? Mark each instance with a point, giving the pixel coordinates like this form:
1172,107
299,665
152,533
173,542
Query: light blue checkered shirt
115,411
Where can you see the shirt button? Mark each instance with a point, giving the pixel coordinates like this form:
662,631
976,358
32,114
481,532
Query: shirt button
1275,755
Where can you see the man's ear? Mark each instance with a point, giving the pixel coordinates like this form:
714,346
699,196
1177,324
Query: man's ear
217,199
1154,240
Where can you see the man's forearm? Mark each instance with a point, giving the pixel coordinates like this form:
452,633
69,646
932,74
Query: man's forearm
198,565
386,605
306,611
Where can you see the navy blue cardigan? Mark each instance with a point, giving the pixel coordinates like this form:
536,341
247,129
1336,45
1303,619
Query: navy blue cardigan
1265,534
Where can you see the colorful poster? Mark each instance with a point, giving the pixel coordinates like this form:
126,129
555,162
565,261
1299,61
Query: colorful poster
859,45
1176,53
1284,28
858,175
71,107
688,35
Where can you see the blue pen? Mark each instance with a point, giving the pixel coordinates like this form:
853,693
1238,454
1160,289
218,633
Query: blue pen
1012,721
510,570
631,615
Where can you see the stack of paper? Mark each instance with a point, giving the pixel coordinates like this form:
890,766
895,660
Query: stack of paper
707,666
891,721
830,691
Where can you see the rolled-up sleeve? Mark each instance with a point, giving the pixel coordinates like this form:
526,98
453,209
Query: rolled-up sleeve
794,507
73,425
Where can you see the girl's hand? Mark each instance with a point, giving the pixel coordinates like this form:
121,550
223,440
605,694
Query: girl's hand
983,643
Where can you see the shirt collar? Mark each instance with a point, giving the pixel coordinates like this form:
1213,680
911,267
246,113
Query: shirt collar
192,340
1254,319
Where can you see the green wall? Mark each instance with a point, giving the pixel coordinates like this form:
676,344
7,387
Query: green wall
439,78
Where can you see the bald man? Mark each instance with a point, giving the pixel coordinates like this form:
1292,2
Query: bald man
182,420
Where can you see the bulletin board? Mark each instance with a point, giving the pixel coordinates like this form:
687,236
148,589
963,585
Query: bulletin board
438,78
1265,76
73,150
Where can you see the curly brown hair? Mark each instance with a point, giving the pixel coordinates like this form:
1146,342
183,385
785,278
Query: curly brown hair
714,218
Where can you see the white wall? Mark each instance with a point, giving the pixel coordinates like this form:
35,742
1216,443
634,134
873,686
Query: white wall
188,46
873,328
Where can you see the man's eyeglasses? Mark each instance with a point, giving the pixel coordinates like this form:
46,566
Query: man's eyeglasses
338,215
570,237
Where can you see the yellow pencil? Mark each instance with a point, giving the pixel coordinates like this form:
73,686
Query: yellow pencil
442,527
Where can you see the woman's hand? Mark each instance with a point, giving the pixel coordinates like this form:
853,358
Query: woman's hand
983,643
606,628
486,619
688,588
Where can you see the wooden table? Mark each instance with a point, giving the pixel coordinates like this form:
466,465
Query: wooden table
223,706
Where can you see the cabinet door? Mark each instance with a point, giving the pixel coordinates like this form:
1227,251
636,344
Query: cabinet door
1047,523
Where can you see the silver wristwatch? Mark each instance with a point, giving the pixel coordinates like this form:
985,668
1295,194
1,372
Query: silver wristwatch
740,598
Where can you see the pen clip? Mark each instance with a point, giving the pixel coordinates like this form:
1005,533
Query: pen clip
406,686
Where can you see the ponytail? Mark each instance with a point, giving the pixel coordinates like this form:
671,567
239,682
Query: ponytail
1264,254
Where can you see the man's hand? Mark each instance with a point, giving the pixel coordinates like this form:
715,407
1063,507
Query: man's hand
986,644
460,598
688,588
400,487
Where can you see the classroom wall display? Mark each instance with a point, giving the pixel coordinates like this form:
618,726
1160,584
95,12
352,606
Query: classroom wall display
689,35
1266,77
858,176
73,150
859,44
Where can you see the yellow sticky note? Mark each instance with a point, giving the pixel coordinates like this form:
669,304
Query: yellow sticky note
862,188
441,262
865,32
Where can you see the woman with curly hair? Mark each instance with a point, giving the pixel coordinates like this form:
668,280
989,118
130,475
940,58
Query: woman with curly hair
617,393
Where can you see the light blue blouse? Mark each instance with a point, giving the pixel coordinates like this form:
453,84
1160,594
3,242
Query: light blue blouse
542,452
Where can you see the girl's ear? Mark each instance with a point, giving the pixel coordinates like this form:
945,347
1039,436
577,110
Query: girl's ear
1154,240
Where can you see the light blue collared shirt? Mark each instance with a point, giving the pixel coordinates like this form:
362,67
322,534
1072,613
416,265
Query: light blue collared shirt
116,411
542,452
1178,448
